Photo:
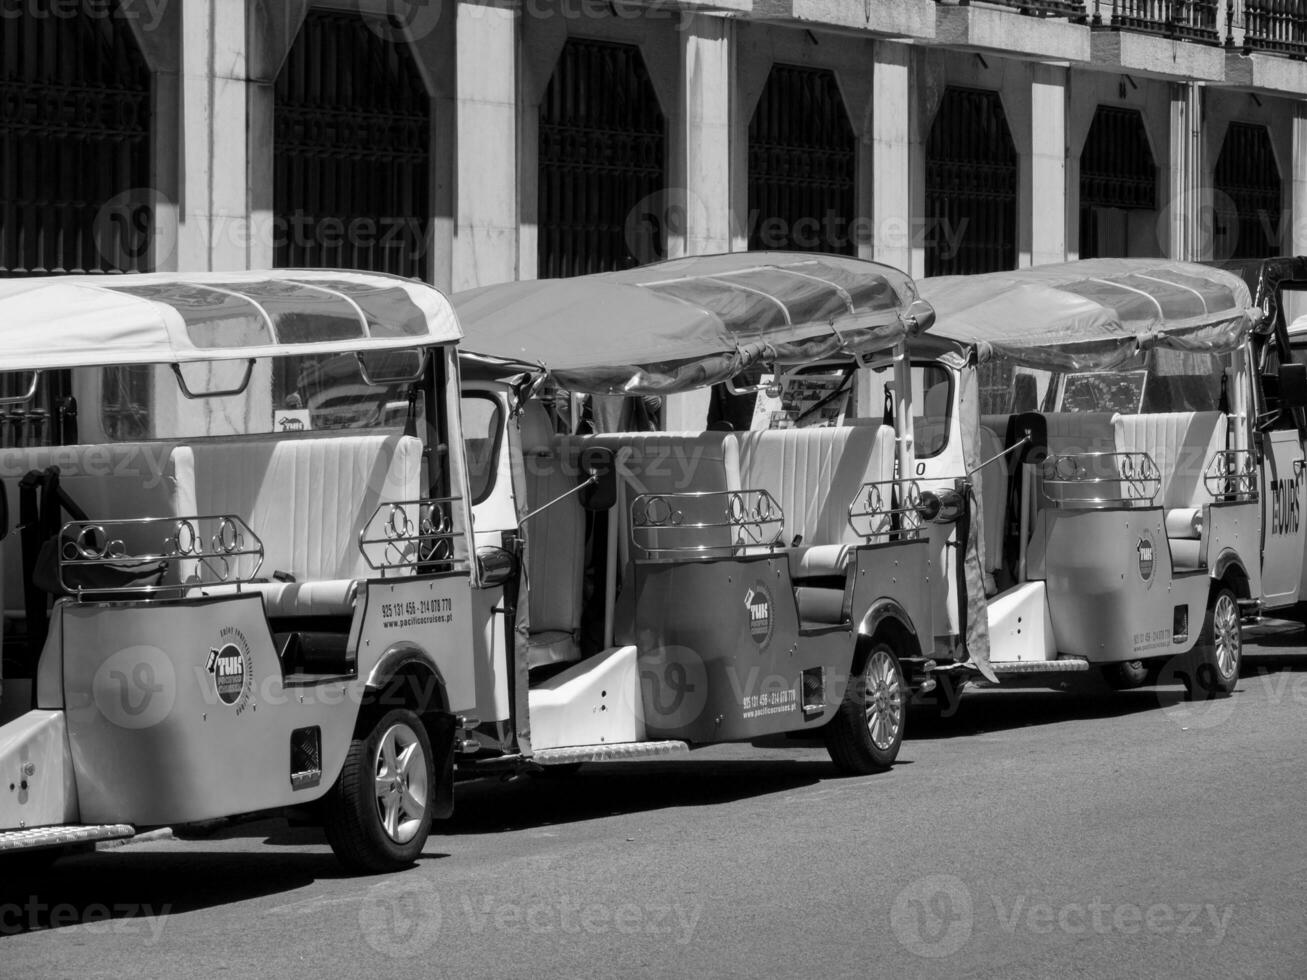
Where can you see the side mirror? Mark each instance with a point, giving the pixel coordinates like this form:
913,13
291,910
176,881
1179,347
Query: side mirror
599,478
1292,385
497,565
921,314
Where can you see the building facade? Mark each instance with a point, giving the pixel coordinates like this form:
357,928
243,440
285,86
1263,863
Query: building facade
474,142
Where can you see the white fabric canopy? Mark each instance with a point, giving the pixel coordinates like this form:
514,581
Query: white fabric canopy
171,318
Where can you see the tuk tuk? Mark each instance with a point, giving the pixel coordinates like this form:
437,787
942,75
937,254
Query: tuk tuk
678,589
1119,495
218,600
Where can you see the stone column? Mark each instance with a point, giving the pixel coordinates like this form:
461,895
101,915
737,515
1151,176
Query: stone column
698,209
886,169
1048,164
1187,198
1298,182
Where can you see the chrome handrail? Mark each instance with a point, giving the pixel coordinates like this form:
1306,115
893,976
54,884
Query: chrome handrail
188,544
1231,475
410,533
1135,473
752,518
884,519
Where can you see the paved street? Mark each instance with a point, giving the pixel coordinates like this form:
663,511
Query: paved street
1034,834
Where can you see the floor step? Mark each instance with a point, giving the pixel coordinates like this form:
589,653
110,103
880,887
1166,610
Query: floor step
608,752
1062,665
27,840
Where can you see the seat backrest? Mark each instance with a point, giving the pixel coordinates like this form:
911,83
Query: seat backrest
814,474
306,498
1181,444
119,481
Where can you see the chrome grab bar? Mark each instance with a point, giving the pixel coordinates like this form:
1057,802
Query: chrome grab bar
873,513
204,550
749,518
1231,475
1075,477
402,534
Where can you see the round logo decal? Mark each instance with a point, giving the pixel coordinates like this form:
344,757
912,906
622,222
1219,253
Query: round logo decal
230,669
1145,551
758,604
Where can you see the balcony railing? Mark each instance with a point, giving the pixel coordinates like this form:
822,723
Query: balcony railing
1278,26
1070,9
1192,20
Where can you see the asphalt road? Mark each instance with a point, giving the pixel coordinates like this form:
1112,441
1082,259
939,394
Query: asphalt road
1033,834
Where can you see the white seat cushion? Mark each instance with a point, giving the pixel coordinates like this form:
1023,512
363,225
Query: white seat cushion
820,561
294,599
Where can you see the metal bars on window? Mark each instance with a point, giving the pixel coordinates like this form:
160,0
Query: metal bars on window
1249,195
971,186
352,151
1117,171
802,164
74,137
602,163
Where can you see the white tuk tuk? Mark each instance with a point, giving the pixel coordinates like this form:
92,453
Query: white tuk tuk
223,597
1098,431
686,588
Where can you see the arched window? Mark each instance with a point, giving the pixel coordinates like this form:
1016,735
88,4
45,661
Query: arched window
1249,195
971,186
802,164
1118,187
74,137
352,151
602,161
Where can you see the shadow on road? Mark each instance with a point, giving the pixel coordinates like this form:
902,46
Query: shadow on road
134,890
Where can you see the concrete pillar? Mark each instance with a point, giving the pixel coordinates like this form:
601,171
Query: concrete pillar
213,213
485,246
887,165
701,141
1298,181
1185,204
1048,183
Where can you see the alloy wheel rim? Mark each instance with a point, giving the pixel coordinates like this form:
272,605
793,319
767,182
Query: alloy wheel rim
400,772
884,702
1229,642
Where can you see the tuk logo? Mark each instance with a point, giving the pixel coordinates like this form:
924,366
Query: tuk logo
1146,563
135,687
230,669
758,604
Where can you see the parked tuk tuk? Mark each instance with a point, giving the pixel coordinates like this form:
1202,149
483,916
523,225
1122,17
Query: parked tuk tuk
217,600
679,589
1123,472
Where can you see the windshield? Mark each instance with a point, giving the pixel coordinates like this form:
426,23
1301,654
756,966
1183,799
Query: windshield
1161,381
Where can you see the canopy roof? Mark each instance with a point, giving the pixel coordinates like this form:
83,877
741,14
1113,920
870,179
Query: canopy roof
1094,312
686,323
70,321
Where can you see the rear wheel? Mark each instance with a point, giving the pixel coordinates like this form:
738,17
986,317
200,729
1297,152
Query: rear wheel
1219,653
867,730
1124,676
378,815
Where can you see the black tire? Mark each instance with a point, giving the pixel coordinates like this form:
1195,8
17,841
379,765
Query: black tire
1218,655
867,730
1126,675
371,833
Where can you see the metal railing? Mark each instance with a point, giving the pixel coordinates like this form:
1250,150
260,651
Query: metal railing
404,534
1192,20
1071,9
886,510
1231,475
1276,26
150,555
1100,480
705,524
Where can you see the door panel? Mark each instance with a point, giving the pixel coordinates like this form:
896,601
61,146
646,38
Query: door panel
1282,525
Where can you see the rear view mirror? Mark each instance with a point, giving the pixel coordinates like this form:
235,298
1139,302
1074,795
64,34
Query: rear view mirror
1292,385
599,478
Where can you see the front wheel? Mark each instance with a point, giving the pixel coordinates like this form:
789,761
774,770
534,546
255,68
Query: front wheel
378,815
1219,652
867,730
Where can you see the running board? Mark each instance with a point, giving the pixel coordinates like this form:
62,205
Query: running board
1062,665
608,752
38,837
